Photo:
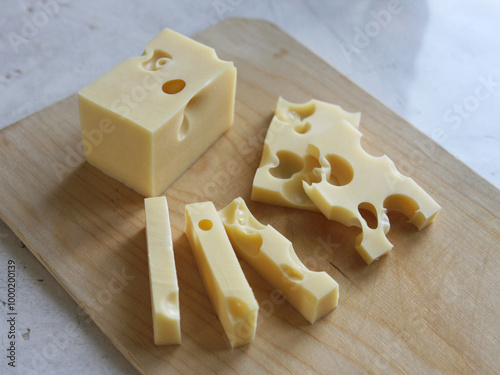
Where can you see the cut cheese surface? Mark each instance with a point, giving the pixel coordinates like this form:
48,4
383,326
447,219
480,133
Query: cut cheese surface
313,294
226,285
149,118
285,162
162,274
354,185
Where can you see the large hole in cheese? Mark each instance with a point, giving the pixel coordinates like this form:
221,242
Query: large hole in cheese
293,190
401,203
289,164
369,214
341,170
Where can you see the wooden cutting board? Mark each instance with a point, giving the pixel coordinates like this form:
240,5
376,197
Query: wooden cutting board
431,305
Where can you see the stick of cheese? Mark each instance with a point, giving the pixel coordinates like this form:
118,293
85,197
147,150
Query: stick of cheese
162,274
226,285
313,294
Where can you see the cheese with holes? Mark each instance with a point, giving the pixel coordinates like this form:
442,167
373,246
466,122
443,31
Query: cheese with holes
313,294
285,162
231,296
162,274
149,118
354,185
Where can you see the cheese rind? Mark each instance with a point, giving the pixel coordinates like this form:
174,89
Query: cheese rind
285,162
353,181
226,285
162,273
313,294
149,118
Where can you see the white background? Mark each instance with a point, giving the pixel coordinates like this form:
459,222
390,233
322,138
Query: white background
435,62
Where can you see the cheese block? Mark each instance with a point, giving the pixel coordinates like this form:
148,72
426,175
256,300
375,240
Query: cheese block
226,285
285,162
149,118
356,189
313,294
162,274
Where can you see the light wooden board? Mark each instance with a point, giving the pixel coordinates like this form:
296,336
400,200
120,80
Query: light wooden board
431,305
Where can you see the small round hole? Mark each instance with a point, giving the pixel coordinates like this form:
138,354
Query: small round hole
162,62
157,61
205,224
303,129
174,86
238,309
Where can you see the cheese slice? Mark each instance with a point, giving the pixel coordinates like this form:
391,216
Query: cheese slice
162,274
285,162
355,186
226,285
149,118
313,294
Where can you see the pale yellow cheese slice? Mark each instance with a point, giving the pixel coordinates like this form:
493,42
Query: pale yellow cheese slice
313,294
149,118
231,296
353,182
285,162
162,274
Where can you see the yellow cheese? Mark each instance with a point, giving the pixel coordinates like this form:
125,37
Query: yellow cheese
285,162
353,182
162,274
313,294
231,296
149,118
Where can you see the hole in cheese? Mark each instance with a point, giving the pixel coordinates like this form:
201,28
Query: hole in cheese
170,305
205,224
296,113
289,164
237,308
250,243
293,190
303,128
401,203
184,128
173,86
162,61
157,61
369,214
341,171
291,272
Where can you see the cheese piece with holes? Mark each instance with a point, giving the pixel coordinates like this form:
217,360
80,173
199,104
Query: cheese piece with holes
162,274
355,185
313,294
285,162
231,296
149,118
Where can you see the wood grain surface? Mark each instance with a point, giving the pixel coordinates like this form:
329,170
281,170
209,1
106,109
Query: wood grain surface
431,306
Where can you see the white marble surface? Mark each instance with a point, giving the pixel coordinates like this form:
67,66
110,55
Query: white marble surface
434,62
